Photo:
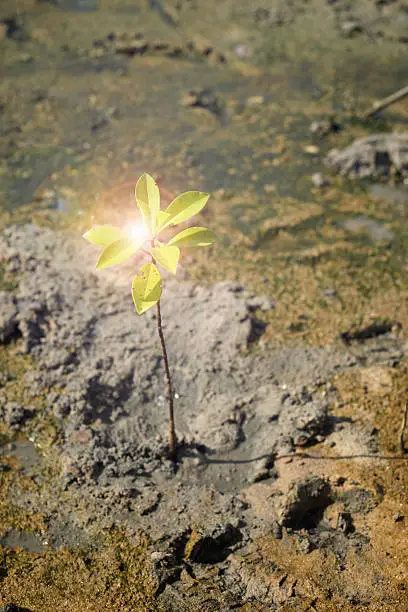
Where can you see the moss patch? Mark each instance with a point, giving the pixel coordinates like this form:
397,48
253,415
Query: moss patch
116,577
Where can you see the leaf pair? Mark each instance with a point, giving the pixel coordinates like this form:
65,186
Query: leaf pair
146,288
118,245
182,208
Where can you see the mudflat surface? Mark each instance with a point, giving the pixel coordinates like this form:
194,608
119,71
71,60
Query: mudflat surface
286,340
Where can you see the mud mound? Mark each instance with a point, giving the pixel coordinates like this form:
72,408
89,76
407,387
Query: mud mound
98,368
101,367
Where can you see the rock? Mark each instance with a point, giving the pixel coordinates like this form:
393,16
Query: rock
324,127
319,127
304,544
398,518
255,100
166,570
243,51
304,502
305,420
276,530
372,157
269,188
204,98
319,180
212,546
345,523
351,28
311,149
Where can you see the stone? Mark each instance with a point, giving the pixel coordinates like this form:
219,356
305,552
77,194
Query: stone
255,100
311,149
324,126
351,28
345,523
166,570
304,502
204,98
319,180
212,546
372,157
243,51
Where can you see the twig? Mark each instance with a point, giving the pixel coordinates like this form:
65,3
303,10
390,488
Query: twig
402,430
172,430
381,104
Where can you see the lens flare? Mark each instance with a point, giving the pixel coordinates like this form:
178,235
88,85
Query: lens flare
137,231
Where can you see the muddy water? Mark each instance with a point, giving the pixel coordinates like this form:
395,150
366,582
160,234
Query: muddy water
72,107
219,98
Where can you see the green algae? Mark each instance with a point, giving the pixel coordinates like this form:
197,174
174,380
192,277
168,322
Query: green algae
116,576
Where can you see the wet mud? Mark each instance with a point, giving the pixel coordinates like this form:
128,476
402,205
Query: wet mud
286,340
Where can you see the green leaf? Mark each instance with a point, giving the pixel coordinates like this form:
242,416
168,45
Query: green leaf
194,237
161,219
118,251
167,257
146,288
148,199
104,235
185,206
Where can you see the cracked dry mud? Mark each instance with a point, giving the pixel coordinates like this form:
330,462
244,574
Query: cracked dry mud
242,417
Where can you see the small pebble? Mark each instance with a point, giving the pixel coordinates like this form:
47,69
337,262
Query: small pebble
319,180
397,518
255,100
311,149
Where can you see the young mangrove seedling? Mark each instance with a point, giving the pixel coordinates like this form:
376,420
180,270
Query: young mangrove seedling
121,243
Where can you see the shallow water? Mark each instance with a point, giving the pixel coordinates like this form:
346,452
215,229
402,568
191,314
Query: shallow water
29,542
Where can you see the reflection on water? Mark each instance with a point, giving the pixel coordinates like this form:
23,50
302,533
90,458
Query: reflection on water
78,5
30,542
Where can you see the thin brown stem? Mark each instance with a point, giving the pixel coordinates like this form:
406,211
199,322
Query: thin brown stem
172,430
